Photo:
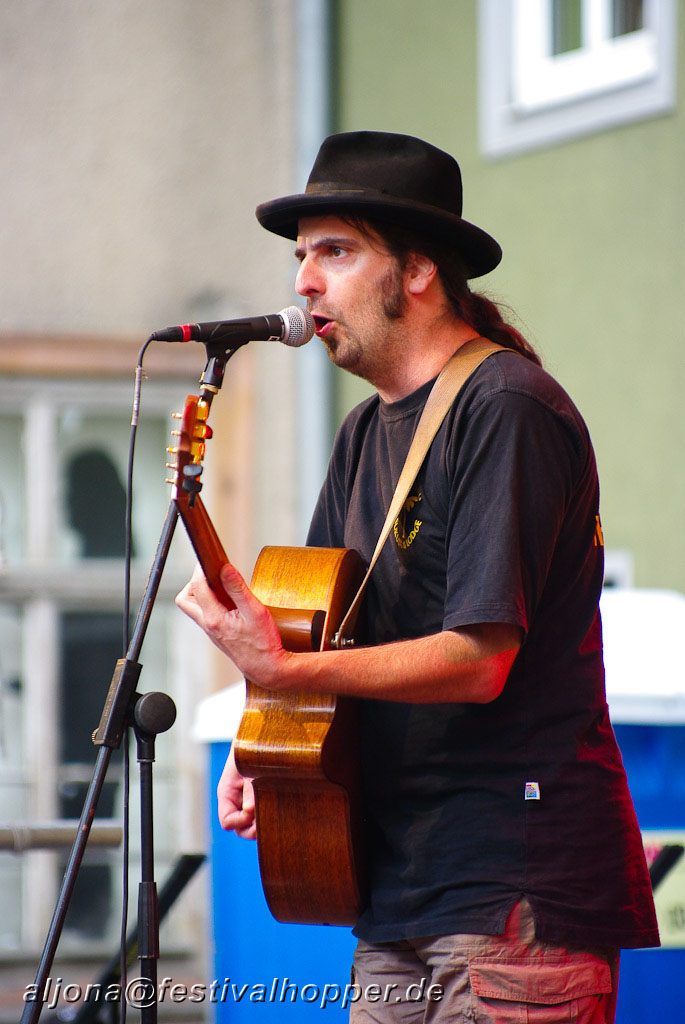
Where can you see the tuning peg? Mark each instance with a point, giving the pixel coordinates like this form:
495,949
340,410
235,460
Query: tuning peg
192,483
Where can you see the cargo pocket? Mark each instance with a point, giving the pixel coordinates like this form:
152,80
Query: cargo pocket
512,991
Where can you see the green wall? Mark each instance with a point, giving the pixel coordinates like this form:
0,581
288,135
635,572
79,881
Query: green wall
592,232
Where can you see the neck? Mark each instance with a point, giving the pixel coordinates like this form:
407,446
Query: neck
425,351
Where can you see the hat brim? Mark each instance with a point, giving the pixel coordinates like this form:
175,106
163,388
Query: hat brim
479,250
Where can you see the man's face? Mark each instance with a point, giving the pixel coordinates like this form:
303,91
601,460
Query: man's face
355,292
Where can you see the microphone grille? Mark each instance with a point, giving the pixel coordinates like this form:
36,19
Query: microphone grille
299,326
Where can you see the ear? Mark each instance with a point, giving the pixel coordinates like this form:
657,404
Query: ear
420,273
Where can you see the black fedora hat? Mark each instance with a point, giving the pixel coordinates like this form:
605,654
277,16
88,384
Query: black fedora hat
396,179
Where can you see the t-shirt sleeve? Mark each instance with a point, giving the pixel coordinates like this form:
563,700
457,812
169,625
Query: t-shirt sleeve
513,467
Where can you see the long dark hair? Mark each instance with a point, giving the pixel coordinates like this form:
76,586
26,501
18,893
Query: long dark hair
479,312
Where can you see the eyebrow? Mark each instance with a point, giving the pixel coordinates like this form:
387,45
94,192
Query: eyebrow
345,242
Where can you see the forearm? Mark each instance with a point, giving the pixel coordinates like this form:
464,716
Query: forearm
469,666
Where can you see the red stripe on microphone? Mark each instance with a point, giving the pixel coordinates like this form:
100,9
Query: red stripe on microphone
187,336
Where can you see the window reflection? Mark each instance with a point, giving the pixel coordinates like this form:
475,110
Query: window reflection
96,504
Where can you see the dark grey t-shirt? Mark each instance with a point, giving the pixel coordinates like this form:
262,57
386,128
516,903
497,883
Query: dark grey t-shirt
470,806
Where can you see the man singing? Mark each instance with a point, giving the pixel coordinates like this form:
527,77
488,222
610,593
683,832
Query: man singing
505,858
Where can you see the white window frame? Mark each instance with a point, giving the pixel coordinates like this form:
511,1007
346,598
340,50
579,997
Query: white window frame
530,98
41,587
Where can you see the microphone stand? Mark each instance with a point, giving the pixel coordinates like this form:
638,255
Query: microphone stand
148,714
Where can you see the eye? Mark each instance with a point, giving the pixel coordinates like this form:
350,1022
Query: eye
337,250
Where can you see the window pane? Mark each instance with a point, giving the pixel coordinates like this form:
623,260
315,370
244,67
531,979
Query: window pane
14,791
90,644
10,902
12,517
566,26
627,16
11,727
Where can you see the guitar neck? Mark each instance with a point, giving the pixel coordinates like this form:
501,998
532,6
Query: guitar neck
206,544
300,629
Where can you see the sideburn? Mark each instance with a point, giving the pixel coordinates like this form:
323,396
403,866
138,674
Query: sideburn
393,300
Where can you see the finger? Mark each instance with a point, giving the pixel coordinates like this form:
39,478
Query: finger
188,603
254,614
213,600
242,822
198,600
200,588
248,797
198,573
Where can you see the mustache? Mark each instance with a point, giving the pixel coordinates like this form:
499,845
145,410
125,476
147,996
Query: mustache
321,317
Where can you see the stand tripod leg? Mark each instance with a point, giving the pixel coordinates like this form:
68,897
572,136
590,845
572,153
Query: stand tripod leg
184,869
34,1002
154,713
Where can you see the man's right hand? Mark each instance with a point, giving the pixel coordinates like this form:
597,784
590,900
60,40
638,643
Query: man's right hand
236,801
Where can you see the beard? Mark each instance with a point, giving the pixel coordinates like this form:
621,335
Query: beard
363,350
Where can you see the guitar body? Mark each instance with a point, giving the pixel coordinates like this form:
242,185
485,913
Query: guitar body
300,750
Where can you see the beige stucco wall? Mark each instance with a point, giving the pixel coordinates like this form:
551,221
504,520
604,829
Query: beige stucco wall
136,141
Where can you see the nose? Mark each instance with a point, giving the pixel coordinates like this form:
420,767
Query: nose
309,280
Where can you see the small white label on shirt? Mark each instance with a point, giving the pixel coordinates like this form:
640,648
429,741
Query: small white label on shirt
532,791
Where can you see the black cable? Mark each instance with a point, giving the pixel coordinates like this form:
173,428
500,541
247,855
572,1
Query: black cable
126,777
215,366
129,495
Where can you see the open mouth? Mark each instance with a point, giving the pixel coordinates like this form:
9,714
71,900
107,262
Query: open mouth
321,323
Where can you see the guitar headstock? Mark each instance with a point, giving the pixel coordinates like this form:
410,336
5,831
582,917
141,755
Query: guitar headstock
189,450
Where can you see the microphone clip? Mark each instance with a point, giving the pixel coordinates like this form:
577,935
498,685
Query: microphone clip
213,374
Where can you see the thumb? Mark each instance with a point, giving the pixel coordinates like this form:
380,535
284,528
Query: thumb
233,583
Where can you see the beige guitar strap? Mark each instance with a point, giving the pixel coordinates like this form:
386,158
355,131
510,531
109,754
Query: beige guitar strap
441,398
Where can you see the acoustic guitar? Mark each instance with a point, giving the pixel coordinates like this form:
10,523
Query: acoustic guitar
299,749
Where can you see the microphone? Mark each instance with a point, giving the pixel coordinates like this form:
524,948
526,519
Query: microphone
292,326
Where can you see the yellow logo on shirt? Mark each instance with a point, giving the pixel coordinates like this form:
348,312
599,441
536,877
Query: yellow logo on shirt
599,536
403,536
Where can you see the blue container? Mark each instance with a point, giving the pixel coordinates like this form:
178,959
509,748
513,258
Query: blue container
264,970
652,987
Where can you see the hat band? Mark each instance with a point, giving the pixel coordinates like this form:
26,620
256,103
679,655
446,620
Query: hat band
330,189
320,187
